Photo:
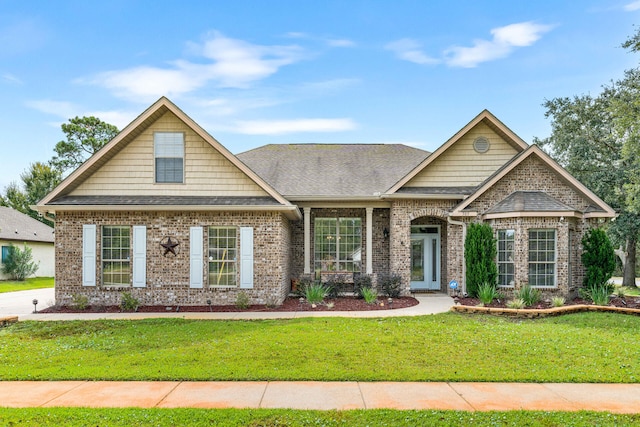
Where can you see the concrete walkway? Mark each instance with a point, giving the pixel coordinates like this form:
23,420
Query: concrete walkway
620,398
427,304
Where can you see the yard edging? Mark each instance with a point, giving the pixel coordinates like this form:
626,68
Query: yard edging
534,313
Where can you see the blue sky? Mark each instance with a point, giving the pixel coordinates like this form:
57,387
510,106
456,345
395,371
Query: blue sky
259,72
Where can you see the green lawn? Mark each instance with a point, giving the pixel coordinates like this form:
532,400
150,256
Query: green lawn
289,418
28,284
585,347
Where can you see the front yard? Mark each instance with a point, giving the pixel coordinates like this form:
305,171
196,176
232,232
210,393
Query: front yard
26,285
586,347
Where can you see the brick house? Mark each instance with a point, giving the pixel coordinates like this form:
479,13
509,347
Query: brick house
167,213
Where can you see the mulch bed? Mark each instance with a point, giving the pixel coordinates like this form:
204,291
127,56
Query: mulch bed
290,304
627,302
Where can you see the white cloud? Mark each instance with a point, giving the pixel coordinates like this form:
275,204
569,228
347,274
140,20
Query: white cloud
10,78
505,40
280,127
340,43
228,63
633,6
60,109
410,50
66,110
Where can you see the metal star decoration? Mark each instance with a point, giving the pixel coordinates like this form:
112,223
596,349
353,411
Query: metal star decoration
169,246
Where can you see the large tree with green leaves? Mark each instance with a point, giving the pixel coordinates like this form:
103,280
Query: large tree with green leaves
37,182
85,136
597,139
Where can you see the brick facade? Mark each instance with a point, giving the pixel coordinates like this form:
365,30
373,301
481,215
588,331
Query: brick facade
168,276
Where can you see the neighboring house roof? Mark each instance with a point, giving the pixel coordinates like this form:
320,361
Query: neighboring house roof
597,208
317,171
53,200
17,226
484,117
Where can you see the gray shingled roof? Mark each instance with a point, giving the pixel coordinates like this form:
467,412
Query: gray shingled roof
456,191
338,170
17,226
163,200
529,201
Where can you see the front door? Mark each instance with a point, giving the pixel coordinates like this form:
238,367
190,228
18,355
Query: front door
425,258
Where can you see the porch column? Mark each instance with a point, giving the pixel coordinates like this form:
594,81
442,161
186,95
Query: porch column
307,240
369,253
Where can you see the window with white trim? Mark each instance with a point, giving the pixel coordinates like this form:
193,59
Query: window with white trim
169,157
116,255
542,258
506,243
223,244
338,244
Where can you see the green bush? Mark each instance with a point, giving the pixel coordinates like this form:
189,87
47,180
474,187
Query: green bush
242,300
480,254
361,283
19,264
598,294
516,303
370,295
391,285
315,293
598,258
557,301
529,295
79,301
128,302
487,292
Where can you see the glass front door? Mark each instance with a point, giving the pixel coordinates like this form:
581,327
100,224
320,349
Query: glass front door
425,258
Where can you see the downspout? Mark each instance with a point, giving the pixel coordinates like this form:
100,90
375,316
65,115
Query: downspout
464,262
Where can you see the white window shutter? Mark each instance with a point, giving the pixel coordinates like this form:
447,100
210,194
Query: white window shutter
195,257
139,256
89,255
246,257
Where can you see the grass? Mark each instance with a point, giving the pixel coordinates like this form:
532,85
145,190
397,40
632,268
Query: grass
584,347
28,284
289,418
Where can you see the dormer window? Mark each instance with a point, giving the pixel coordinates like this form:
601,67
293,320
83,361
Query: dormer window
169,157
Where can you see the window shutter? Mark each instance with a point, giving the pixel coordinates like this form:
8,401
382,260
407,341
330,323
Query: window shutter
195,257
246,257
89,255
139,256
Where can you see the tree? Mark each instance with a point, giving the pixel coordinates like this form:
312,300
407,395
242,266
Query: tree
479,254
37,182
598,258
85,136
597,139
19,264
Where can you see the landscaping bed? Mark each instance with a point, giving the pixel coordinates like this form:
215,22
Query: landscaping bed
627,302
290,304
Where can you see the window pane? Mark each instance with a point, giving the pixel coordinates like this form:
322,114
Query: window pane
169,156
222,256
116,265
505,257
542,258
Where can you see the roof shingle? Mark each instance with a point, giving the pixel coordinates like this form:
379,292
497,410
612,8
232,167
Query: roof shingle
17,226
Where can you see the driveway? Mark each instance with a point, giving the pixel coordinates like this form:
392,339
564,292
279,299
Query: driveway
21,302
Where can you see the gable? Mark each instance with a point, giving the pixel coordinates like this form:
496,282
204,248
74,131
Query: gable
536,174
131,170
461,165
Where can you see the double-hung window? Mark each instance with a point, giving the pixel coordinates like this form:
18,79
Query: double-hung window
338,244
223,256
116,260
6,251
506,241
169,157
542,258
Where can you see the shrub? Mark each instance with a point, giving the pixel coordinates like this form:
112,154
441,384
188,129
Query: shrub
360,284
19,264
303,283
598,294
315,293
557,301
335,285
79,301
487,292
517,303
242,300
391,285
598,258
128,302
480,253
529,295
370,295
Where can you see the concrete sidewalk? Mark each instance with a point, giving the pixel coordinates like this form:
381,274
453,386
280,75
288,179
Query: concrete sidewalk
427,304
619,398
